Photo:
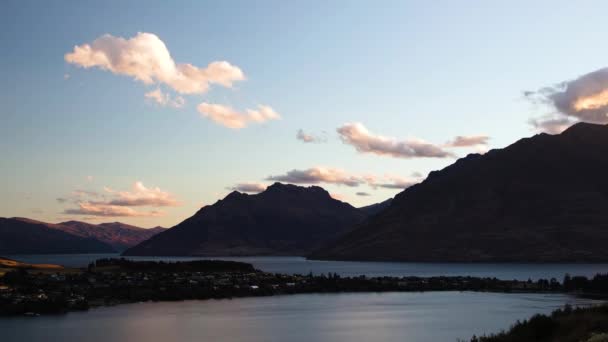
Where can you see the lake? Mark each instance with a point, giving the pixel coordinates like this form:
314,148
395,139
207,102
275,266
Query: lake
299,265
431,316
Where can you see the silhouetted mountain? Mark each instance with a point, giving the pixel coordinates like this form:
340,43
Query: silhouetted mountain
119,235
543,198
25,236
282,220
375,208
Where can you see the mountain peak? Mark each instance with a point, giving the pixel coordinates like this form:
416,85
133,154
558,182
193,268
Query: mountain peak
284,219
291,188
585,128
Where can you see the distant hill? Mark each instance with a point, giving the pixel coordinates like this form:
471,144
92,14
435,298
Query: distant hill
375,208
118,235
24,236
20,235
282,220
543,198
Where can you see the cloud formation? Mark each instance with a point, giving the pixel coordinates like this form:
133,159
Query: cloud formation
146,58
363,193
310,138
113,203
582,99
316,175
552,124
468,141
392,182
142,196
364,141
319,174
231,118
249,187
106,210
165,100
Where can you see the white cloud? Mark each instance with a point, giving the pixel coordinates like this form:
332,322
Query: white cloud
249,187
229,117
356,135
165,99
146,58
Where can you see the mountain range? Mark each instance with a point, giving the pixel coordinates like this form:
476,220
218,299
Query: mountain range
25,236
282,220
541,199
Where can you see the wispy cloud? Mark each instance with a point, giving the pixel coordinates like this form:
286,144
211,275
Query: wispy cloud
552,124
106,210
250,187
231,118
309,137
165,100
392,181
145,57
363,193
468,141
364,141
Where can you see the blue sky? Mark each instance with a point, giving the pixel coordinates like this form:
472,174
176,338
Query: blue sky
403,69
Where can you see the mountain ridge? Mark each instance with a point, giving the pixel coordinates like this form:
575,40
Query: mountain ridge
540,199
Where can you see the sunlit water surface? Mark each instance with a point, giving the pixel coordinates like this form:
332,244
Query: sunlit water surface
431,316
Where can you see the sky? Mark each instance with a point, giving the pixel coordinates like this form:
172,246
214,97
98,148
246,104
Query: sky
144,111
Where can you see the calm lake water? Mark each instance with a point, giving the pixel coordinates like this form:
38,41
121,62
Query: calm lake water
292,265
431,316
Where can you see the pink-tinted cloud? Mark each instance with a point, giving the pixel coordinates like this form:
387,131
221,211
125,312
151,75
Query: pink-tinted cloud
339,197
318,174
468,141
142,196
364,141
231,118
146,58
113,203
392,182
165,100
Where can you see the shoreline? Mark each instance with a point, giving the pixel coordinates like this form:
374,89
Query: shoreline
109,282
